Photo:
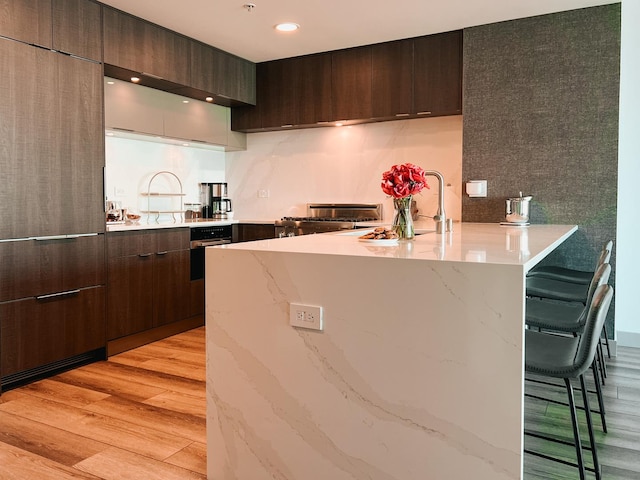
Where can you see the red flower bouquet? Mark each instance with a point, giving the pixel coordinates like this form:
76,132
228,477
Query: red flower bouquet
403,180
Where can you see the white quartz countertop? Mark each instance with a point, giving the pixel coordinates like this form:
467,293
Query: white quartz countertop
124,227
469,242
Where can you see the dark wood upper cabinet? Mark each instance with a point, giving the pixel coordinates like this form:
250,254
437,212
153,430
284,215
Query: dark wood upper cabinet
312,88
139,46
28,21
351,84
438,74
392,79
77,28
222,74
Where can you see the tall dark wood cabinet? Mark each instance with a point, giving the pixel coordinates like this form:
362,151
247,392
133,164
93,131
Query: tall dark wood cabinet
52,278
149,289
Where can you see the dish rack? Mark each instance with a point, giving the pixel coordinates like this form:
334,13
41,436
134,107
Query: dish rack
151,194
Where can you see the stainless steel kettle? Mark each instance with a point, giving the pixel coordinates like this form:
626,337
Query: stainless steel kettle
518,209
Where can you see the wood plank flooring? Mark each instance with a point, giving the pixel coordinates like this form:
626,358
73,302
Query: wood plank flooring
141,415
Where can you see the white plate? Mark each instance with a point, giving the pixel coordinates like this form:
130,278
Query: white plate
383,241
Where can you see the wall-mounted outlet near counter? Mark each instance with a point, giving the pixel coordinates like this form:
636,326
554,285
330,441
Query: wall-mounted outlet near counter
119,191
305,316
263,193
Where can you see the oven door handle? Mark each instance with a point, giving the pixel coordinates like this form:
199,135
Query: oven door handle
209,243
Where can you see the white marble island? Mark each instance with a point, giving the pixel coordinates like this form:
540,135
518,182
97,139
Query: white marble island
418,373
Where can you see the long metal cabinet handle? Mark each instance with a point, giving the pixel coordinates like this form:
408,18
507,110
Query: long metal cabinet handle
162,253
63,237
59,294
144,255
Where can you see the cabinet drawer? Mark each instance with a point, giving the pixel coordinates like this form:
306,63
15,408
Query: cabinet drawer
35,332
38,267
125,244
144,242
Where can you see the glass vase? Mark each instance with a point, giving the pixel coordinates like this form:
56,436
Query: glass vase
402,221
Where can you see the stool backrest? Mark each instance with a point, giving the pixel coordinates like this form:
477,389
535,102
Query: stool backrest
600,277
593,328
605,253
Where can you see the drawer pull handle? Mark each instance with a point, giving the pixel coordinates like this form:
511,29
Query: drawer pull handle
144,255
63,237
59,294
162,253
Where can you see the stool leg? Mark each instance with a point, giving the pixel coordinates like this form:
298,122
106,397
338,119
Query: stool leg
596,380
606,340
592,441
576,432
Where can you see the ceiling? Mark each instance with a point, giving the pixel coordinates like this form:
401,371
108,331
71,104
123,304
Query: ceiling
327,24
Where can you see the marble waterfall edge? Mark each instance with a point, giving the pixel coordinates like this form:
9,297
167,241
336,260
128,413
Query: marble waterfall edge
417,374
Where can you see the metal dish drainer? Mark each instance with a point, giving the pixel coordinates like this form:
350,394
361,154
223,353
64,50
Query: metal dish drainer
150,194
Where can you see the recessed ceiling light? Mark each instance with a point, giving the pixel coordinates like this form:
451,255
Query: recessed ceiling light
110,82
287,27
135,79
185,101
209,99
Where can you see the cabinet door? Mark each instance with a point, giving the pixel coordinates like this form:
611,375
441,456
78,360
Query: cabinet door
392,79
133,107
438,74
36,332
312,88
37,267
351,84
28,21
171,287
51,143
140,46
129,295
77,28
195,120
223,74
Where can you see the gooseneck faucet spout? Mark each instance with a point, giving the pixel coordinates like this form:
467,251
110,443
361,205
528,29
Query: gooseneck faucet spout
440,217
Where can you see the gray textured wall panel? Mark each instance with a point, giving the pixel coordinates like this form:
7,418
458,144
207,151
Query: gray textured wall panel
540,103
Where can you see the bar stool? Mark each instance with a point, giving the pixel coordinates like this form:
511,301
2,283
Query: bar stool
571,318
566,291
555,272
568,358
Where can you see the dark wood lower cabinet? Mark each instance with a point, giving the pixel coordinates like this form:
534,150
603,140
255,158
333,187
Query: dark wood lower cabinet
38,332
149,289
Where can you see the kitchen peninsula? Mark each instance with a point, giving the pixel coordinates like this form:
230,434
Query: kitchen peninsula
417,373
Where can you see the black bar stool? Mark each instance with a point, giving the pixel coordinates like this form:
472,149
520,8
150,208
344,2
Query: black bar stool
568,357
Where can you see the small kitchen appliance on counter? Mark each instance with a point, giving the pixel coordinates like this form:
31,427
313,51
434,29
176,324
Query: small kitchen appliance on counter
216,203
517,211
329,217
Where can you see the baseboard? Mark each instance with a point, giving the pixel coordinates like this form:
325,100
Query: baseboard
628,339
136,340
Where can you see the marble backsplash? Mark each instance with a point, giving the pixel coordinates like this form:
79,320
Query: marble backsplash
343,165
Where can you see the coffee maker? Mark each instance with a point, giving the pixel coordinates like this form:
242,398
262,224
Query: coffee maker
215,201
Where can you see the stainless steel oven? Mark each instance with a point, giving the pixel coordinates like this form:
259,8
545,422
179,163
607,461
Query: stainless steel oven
202,237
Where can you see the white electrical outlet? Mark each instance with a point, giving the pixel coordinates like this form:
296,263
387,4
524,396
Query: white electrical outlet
305,316
263,193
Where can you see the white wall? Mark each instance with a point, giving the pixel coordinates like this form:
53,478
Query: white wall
130,164
628,257
342,165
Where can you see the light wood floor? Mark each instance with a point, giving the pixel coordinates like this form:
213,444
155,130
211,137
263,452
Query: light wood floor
141,415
